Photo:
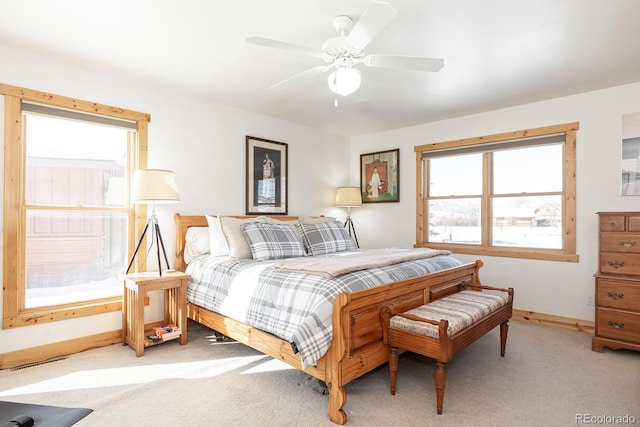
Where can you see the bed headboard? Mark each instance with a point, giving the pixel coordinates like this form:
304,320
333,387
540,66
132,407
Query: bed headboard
184,222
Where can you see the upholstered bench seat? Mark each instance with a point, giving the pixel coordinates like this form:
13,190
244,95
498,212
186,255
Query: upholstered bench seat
460,309
443,327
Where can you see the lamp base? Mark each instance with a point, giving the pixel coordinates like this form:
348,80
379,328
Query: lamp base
156,238
351,228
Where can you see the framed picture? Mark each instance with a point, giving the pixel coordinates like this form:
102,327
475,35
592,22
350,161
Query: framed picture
380,176
630,154
266,178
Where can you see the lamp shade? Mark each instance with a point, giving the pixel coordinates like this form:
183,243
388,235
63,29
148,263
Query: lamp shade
154,186
344,81
348,197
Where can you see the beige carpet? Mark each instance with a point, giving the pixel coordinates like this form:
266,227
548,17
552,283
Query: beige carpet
549,377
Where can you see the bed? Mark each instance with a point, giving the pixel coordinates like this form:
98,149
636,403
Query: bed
355,344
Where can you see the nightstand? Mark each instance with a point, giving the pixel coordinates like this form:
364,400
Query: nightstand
136,287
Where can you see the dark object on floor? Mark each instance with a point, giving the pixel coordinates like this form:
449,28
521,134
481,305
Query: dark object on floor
39,415
323,388
221,338
21,421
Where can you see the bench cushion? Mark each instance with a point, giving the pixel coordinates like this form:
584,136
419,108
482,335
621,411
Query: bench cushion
460,309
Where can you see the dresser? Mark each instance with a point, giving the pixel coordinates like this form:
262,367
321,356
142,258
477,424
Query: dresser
617,298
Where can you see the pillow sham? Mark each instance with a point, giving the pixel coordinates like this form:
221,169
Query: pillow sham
290,223
272,241
236,242
217,241
196,243
326,237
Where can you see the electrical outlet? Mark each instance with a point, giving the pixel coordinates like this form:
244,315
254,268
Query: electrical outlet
590,300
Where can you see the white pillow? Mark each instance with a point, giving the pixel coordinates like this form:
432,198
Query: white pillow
315,219
217,241
236,241
196,243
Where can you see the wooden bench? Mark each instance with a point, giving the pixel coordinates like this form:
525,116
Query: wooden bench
441,328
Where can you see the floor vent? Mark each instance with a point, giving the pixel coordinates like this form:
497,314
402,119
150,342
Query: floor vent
30,365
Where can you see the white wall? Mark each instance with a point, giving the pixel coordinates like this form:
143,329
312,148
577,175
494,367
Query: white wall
203,142
551,287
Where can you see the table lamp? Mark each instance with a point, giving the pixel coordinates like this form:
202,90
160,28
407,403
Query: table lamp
349,197
153,186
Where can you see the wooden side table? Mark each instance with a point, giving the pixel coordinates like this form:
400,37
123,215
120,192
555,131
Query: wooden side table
136,287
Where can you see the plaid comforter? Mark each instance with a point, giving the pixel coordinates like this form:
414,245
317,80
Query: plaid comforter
294,306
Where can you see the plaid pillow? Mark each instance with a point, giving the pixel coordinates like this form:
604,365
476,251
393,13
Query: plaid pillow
272,241
326,238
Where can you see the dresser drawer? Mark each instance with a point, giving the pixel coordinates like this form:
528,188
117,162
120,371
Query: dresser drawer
619,263
620,325
612,222
620,242
634,223
616,294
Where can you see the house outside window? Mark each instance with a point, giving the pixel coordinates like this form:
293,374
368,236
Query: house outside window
510,194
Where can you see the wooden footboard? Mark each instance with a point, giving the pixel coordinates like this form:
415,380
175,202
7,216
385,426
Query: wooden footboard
357,345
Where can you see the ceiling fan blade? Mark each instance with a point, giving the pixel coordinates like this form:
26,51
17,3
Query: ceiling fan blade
302,77
375,17
404,62
262,41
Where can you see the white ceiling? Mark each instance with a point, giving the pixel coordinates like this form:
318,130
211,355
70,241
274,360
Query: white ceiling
497,53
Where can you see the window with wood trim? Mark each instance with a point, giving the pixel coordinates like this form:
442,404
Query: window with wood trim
511,194
68,224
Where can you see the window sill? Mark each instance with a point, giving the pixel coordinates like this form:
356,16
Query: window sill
546,255
41,315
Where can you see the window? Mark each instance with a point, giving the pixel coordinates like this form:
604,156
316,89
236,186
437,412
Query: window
510,194
68,224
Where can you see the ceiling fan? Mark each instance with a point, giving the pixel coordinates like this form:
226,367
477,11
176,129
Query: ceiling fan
341,54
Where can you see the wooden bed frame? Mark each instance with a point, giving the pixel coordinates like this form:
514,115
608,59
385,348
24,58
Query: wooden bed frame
357,344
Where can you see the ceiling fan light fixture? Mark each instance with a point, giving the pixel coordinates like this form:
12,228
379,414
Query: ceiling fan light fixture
347,50
344,81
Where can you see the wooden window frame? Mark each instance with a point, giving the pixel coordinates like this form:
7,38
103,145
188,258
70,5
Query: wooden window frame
568,251
14,312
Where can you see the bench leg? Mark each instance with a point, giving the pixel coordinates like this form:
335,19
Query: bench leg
441,378
504,330
393,368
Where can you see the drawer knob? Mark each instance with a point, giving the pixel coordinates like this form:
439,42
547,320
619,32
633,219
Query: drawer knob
615,295
616,264
627,243
617,325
